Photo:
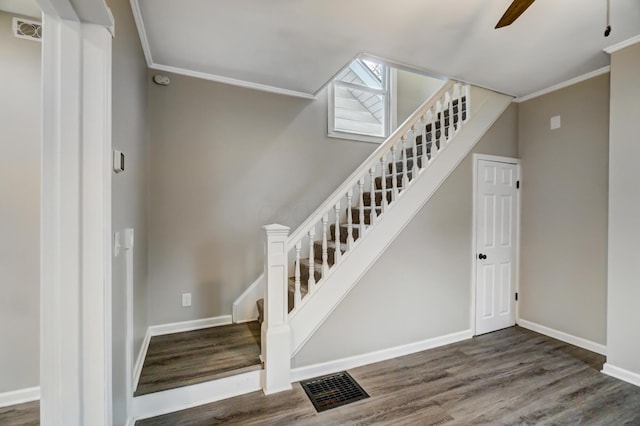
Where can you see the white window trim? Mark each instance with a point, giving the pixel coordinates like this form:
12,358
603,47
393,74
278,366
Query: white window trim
390,101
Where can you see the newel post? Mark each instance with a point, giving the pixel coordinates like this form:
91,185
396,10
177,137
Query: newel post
276,335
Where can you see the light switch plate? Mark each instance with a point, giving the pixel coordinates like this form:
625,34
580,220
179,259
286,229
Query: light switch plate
118,161
186,300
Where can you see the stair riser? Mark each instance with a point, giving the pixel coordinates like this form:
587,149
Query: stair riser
378,195
343,233
304,274
331,252
400,169
389,182
355,216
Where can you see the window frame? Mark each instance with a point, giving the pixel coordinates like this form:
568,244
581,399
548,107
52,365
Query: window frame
386,92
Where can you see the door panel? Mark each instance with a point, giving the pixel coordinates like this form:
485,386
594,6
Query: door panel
496,198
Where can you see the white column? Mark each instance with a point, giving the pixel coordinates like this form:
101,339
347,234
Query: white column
276,335
75,341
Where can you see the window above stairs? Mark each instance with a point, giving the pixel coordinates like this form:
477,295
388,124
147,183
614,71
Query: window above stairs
370,97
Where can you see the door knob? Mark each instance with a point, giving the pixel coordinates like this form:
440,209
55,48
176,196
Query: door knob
482,256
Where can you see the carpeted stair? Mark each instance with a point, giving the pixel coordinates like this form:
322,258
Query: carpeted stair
432,133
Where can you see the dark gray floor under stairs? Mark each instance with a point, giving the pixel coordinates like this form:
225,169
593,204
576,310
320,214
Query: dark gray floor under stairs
182,359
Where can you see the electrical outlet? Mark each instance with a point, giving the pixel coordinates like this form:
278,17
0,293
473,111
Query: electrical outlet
186,300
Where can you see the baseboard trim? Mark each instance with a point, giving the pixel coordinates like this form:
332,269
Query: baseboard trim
180,327
308,372
142,354
565,337
621,373
169,401
19,396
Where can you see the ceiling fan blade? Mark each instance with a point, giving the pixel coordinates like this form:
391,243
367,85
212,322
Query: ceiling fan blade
514,11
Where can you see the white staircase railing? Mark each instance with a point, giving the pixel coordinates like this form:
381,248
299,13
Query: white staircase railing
353,208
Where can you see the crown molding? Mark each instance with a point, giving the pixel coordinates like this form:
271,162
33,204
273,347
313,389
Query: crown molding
625,43
564,84
232,81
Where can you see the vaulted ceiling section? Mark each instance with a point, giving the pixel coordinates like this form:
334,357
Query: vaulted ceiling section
296,46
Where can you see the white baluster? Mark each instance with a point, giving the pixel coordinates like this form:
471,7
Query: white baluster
383,186
349,220
325,255
405,174
439,116
361,209
450,128
311,284
431,122
414,143
394,173
373,215
423,125
337,254
297,295
467,94
457,91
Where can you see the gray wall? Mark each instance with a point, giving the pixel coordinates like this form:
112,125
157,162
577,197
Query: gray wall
224,161
564,209
129,189
20,107
411,91
420,287
623,328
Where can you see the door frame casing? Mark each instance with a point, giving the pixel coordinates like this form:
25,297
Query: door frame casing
474,230
75,282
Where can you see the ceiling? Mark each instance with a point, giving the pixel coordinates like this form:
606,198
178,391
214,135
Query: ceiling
298,45
21,7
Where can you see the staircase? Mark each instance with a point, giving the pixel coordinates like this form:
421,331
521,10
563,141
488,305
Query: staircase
310,271
387,188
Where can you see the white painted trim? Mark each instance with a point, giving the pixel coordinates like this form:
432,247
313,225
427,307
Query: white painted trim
564,84
232,81
130,421
244,308
565,337
474,230
169,401
308,372
19,396
142,31
621,373
180,327
75,313
142,354
625,43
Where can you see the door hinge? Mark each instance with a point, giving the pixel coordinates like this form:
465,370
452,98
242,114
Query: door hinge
517,184
516,296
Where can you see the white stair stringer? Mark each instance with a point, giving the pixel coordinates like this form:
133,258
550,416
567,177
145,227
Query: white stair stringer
486,108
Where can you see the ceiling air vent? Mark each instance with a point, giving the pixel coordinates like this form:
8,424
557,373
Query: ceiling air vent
24,28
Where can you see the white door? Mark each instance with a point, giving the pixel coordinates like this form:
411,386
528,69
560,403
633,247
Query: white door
496,221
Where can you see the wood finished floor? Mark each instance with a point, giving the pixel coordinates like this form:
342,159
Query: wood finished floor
181,359
509,377
27,414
